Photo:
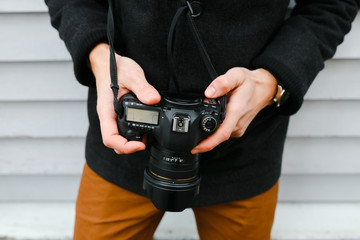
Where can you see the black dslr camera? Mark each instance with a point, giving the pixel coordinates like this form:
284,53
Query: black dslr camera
177,126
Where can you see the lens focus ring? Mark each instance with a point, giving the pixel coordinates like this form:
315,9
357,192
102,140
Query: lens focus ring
208,123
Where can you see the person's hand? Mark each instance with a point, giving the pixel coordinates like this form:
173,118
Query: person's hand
248,92
131,78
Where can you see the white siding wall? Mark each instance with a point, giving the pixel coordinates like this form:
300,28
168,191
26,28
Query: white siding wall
43,118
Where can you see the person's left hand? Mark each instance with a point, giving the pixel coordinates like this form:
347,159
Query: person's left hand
248,92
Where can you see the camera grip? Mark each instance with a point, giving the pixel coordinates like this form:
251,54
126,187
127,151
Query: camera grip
128,133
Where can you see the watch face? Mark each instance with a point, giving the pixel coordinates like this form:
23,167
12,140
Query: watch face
283,97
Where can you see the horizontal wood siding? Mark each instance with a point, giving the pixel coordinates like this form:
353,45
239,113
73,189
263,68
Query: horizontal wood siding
293,188
65,156
68,119
28,6
39,81
43,119
54,80
59,156
42,42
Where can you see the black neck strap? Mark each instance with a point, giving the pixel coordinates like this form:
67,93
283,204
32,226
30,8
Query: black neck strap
113,66
201,47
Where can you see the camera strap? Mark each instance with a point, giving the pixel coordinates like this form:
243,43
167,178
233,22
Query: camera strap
187,8
113,66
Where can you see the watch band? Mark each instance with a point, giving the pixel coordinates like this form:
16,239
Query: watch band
281,96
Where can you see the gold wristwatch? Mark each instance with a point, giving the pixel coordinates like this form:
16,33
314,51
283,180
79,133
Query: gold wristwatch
281,96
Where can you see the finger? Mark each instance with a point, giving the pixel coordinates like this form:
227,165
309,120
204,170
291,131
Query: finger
111,137
225,83
235,112
222,134
126,147
143,90
147,94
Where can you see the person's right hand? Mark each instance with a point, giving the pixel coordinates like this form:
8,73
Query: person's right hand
131,78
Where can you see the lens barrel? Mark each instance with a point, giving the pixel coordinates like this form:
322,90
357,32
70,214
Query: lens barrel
171,179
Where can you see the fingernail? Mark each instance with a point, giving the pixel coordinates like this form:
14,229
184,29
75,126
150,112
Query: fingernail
152,96
195,150
210,91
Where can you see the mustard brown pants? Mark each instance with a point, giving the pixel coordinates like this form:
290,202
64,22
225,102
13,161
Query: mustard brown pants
105,211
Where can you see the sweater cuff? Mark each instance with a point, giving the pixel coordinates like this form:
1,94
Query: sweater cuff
288,80
81,50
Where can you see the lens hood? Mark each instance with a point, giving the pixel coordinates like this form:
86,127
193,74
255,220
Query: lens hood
169,195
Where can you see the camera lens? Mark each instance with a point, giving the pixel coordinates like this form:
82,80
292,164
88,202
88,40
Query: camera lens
171,179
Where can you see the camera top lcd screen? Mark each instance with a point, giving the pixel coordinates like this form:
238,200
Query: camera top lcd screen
142,116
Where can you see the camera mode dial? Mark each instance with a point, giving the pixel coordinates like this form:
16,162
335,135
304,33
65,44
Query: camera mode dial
208,123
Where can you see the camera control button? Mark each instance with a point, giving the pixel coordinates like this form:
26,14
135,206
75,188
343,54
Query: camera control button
132,135
208,123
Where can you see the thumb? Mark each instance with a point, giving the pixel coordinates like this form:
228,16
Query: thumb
138,84
132,77
146,93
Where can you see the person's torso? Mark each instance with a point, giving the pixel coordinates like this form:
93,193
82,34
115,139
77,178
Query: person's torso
234,32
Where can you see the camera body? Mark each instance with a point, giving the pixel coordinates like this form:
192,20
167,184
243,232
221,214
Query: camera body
177,126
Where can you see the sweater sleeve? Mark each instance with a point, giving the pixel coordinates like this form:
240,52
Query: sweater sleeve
81,25
297,51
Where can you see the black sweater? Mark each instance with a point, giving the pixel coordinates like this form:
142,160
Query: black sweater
251,34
